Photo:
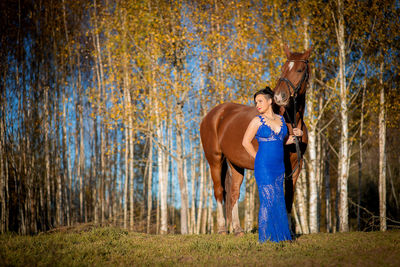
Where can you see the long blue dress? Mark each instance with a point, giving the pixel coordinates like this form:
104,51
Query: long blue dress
269,171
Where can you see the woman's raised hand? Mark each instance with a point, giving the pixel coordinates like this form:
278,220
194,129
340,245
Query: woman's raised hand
297,132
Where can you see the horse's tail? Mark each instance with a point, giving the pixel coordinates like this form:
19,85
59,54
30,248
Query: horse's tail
226,176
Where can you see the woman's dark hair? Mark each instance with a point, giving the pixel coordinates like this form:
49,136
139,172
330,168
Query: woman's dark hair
266,91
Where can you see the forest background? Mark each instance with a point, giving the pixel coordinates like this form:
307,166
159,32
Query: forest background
101,103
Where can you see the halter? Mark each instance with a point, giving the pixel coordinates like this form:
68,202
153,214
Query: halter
295,90
290,84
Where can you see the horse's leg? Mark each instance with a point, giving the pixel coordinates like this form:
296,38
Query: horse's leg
291,182
290,187
216,170
236,181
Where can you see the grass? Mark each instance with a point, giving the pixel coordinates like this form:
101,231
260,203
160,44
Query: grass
117,247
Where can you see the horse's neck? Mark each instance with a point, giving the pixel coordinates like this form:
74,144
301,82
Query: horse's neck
300,109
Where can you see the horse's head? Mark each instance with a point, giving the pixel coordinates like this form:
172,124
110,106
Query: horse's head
294,77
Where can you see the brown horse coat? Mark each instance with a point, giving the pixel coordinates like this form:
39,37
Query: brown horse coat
222,130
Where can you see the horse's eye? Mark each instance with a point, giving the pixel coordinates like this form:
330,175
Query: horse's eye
299,70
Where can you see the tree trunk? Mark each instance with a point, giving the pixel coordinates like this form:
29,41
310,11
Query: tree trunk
158,209
210,226
192,188
59,206
312,147
312,165
301,199
181,174
94,166
382,154
173,174
344,157
79,148
205,208
126,172
149,185
131,169
47,157
2,159
163,181
249,202
328,210
66,173
201,192
360,148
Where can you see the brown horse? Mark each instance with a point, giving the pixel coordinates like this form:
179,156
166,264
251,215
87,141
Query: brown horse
222,131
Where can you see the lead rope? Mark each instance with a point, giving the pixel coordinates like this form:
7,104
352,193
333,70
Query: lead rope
295,90
297,142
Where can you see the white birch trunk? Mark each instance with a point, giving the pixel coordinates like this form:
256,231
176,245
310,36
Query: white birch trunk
328,210
99,65
185,174
181,172
193,193
252,207
382,154
173,175
66,170
167,142
81,166
94,173
249,202
128,131
59,208
210,226
126,157
131,168
201,193
204,211
301,199
81,158
312,147
312,166
158,208
149,185
344,159
163,183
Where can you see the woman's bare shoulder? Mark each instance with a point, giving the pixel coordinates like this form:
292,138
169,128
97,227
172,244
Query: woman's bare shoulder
255,121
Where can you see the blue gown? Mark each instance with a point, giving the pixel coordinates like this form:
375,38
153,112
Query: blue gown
269,171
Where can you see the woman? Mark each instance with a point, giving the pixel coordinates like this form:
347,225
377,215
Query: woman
270,131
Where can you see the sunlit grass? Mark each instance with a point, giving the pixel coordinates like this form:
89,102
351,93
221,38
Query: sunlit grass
113,246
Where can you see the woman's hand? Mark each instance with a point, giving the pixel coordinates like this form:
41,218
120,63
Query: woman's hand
297,132
292,138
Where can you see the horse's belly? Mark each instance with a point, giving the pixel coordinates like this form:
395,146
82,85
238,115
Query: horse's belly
231,143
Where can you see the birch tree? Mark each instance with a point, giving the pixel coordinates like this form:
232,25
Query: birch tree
382,152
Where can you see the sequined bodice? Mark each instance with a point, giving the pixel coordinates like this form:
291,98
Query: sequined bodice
265,133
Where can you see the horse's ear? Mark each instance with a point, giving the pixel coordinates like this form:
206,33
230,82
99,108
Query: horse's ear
308,52
286,49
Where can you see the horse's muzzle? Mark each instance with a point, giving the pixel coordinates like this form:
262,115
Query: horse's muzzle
281,99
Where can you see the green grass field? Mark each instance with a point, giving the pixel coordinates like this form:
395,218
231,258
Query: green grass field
116,247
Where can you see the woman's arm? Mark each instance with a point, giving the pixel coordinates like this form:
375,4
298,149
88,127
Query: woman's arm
291,138
249,136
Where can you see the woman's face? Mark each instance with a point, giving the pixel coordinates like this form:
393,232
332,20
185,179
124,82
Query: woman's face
263,103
